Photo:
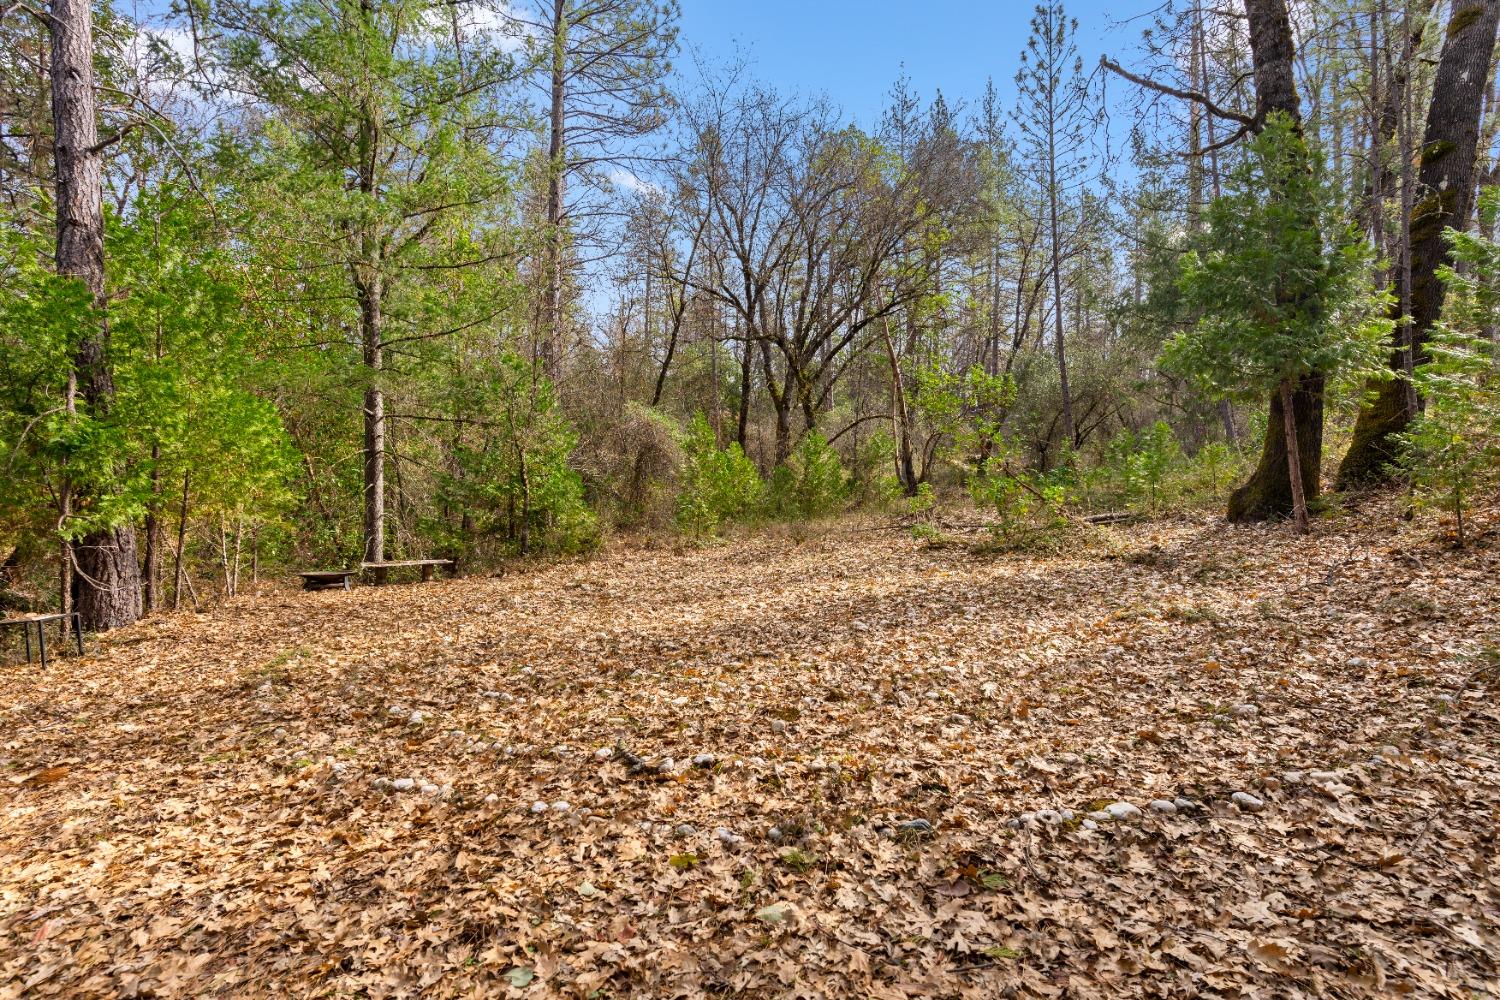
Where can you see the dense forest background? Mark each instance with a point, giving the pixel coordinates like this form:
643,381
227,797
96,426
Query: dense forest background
373,279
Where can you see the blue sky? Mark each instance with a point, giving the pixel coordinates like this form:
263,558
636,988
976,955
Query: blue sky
852,50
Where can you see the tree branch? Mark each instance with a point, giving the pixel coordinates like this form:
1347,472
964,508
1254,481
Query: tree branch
1186,95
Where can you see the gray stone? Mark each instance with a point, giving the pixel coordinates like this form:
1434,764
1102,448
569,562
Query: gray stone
1164,807
685,829
705,760
560,806
404,784
1184,805
1122,810
915,826
1247,802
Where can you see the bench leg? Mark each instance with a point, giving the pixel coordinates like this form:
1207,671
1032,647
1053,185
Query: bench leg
41,642
426,574
26,631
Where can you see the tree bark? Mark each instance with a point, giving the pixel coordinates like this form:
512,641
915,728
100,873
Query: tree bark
1293,458
557,152
108,580
1268,493
1445,184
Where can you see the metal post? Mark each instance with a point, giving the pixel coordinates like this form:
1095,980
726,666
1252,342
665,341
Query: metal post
41,642
26,631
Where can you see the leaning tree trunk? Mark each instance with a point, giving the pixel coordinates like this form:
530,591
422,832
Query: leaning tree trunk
108,579
1268,492
1445,185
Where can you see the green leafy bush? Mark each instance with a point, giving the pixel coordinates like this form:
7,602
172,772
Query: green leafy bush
811,483
719,485
1453,448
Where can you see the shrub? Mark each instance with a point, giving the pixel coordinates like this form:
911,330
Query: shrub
811,483
719,485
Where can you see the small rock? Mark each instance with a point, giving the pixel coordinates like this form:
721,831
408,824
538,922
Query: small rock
1247,802
1026,819
1245,711
1389,751
1324,777
666,766
491,799
728,837
1089,824
604,753
539,806
1067,815
685,829
774,834
430,789
382,784
404,784
915,826
777,726
1184,805
587,889
280,733
1122,810
705,760
680,702
395,710
1100,816
1049,816
1164,807
1292,777
561,806
416,718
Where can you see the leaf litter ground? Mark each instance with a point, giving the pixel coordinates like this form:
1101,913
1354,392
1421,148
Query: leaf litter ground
209,804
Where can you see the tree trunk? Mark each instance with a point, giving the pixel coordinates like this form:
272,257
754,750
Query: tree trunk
1293,458
747,379
1269,493
108,577
374,414
557,152
1445,186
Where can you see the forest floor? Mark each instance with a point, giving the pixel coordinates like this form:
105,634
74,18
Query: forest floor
214,804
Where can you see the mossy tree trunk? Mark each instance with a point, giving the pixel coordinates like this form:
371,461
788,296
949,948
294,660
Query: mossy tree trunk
1445,186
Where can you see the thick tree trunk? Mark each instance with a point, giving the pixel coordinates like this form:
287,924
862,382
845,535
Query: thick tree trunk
1268,493
1445,187
108,580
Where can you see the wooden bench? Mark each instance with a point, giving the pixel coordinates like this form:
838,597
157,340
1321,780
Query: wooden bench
327,579
380,570
29,622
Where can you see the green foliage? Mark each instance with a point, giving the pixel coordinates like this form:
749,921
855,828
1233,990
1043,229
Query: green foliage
1282,282
1453,448
811,484
970,408
183,370
511,483
719,485
1028,507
